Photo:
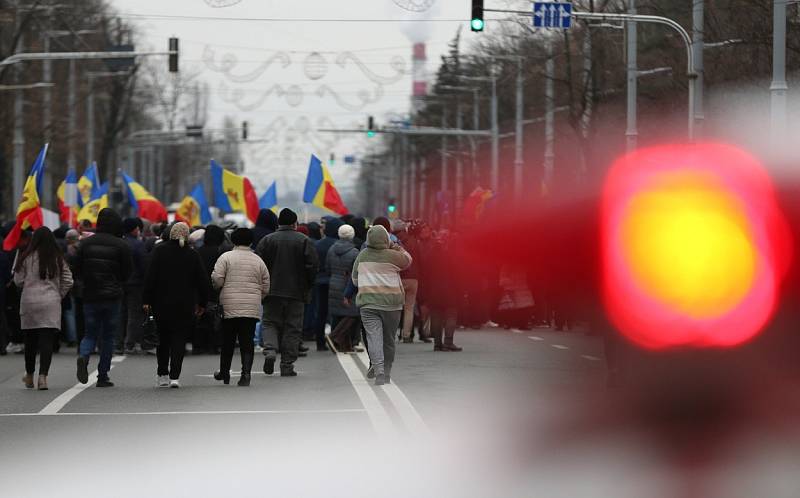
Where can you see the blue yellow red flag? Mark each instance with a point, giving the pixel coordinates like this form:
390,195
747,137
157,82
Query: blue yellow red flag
194,208
68,198
90,210
89,185
143,203
270,198
320,190
233,193
29,211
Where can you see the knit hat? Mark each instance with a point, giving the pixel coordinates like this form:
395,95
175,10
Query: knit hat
346,232
242,237
287,217
130,224
179,232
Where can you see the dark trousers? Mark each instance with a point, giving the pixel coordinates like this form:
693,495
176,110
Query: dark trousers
102,321
443,323
282,327
39,341
322,313
171,348
243,329
131,330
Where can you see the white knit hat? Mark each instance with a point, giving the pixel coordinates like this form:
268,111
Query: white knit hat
346,232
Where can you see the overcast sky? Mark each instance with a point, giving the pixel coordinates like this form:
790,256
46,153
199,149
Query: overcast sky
304,88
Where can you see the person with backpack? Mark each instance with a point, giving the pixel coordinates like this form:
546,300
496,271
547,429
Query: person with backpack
45,279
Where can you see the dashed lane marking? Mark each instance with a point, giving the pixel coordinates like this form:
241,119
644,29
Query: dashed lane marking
560,346
516,331
590,357
61,401
535,338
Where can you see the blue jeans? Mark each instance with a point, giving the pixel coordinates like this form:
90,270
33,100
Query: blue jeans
102,321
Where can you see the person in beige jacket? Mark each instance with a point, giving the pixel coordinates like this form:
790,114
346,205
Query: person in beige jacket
45,278
243,279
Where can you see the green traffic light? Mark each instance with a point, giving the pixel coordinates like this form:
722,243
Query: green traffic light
370,133
392,208
477,24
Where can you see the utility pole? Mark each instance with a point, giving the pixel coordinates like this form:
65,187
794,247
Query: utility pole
549,118
459,190
698,30
779,87
495,178
423,190
18,176
519,163
445,179
47,186
90,121
632,132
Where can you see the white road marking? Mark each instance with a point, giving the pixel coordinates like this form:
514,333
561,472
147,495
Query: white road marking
560,346
220,412
61,401
535,338
516,331
590,357
410,416
380,420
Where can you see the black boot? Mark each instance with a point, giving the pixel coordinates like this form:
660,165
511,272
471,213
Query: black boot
224,377
247,365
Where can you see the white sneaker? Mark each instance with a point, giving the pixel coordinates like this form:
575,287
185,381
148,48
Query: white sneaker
163,381
258,349
174,383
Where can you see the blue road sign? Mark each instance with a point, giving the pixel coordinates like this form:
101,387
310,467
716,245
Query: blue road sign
552,15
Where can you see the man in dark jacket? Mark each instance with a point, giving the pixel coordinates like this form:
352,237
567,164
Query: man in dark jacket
131,332
266,224
292,262
322,282
208,333
103,262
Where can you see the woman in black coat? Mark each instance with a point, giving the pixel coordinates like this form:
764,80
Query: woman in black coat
176,290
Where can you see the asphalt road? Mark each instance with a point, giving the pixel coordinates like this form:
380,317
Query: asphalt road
517,413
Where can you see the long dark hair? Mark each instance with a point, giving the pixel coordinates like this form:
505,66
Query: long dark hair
51,259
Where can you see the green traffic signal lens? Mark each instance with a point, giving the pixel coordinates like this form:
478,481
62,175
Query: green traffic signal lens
370,133
392,208
477,24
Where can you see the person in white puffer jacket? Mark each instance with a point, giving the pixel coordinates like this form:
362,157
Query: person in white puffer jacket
243,279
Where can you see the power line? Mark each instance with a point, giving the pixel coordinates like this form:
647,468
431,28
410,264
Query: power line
169,17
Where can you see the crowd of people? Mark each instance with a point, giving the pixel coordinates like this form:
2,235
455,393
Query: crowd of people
126,287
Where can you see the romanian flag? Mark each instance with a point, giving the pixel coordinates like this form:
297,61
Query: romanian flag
320,190
270,198
194,208
89,185
143,203
68,199
91,208
233,193
29,212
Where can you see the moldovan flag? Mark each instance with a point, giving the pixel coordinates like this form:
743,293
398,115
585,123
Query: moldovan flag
68,202
89,185
233,193
270,199
194,208
29,212
90,209
145,205
475,204
320,190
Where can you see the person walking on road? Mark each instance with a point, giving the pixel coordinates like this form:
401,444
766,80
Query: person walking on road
376,273
208,332
45,279
131,334
243,279
291,259
345,318
322,282
176,290
103,263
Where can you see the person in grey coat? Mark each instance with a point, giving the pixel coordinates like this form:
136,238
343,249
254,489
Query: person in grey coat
45,279
345,317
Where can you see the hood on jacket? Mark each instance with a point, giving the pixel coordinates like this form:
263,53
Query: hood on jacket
332,228
360,226
108,221
377,238
342,247
267,219
313,230
214,236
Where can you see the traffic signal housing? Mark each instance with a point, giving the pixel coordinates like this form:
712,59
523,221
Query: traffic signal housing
391,207
370,126
173,55
244,130
476,21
